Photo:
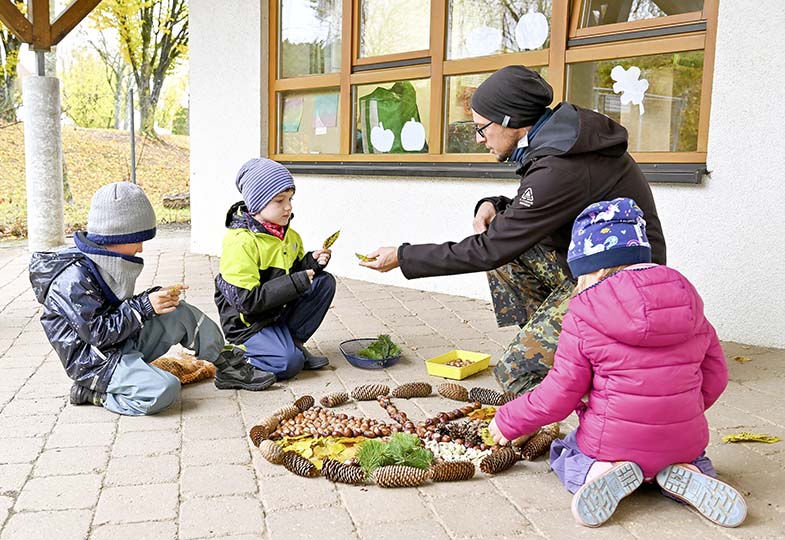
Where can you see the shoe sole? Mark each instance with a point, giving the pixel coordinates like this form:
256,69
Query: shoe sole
596,501
715,500
238,385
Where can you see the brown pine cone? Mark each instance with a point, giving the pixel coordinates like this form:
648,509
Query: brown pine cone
552,429
270,422
286,412
508,396
391,476
412,390
334,399
258,433
304,403
540,443
335,471
271,452
452,471
486,396
501,460
453,391
369,392
297,464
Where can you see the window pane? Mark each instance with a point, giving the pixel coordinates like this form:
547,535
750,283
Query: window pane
310,41
484,27
460,137
392,117
308,122
599,12
394,26
657,98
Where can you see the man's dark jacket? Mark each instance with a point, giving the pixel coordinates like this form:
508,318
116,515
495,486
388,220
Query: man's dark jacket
86,330
578,157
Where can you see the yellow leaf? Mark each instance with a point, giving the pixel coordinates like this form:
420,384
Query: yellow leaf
746,436
742,359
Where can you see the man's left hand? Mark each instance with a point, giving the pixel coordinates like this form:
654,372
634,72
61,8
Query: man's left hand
386,258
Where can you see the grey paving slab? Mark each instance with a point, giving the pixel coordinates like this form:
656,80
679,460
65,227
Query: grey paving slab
191,472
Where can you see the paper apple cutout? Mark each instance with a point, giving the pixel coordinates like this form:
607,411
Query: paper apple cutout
531,30
382,139
413,136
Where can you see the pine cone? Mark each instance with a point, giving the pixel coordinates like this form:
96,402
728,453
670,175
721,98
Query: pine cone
501,460
270,422
258,433
334,399
412,390
540,443
304,403
335,471
508,396
486,396
286,412
453,391
391,476
271,452
297,464
452,471
369,392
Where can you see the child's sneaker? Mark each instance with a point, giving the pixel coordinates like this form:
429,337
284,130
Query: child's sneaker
596,501
715,499
81,395
233,373
311,361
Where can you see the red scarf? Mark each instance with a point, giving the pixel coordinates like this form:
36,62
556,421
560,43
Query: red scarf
276,230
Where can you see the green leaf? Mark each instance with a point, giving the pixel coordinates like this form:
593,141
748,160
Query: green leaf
380,349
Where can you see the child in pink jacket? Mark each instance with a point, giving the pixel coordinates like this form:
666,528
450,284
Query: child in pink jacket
636,341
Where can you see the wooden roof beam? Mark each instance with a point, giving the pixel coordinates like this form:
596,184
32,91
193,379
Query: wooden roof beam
12,18
39,16
70,17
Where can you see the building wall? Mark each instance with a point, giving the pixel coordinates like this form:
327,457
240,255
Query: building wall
723,234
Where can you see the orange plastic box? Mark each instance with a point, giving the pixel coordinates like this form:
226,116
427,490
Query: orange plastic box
437,368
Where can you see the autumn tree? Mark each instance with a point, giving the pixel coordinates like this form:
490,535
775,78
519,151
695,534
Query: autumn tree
153,37
9,58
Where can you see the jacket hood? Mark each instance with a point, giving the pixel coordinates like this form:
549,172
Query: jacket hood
237,218
46,266
574,130
651,306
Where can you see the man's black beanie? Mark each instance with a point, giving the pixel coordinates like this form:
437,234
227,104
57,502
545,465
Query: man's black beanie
514,97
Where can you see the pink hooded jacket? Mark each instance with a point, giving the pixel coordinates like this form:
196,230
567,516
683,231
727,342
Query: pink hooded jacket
639,344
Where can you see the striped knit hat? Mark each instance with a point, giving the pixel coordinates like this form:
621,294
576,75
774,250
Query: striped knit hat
261,179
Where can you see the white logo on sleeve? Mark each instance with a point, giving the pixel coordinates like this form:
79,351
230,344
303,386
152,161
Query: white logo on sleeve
527,199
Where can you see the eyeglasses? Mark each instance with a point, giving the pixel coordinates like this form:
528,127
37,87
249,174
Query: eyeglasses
481,130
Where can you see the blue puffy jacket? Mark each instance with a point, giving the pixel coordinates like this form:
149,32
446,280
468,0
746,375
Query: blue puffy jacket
85,329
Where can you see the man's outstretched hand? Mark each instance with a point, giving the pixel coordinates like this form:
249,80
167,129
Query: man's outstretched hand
386,258
485,214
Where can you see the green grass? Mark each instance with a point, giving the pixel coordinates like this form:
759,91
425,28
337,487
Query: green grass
93,158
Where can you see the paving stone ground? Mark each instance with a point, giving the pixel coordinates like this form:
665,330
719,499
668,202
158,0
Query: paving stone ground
189,473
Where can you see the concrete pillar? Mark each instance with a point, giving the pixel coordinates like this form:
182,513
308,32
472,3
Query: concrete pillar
43,163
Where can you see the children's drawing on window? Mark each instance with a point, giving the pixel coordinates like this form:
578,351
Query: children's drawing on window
531,32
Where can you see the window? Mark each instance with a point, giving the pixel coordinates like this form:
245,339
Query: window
391,80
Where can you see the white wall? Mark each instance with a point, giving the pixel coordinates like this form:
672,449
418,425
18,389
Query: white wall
228,86
725,234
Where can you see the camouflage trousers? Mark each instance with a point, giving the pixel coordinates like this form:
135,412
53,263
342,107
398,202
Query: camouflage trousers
533,292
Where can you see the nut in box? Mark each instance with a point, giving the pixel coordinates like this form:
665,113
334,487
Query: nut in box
457,364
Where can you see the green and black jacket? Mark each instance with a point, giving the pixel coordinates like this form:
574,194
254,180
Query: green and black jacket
259,275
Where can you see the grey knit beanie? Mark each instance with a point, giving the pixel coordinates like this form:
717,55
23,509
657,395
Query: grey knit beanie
120,213
260,180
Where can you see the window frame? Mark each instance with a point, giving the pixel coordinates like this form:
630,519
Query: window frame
568,44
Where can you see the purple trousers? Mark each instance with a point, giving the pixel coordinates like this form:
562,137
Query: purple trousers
571,465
